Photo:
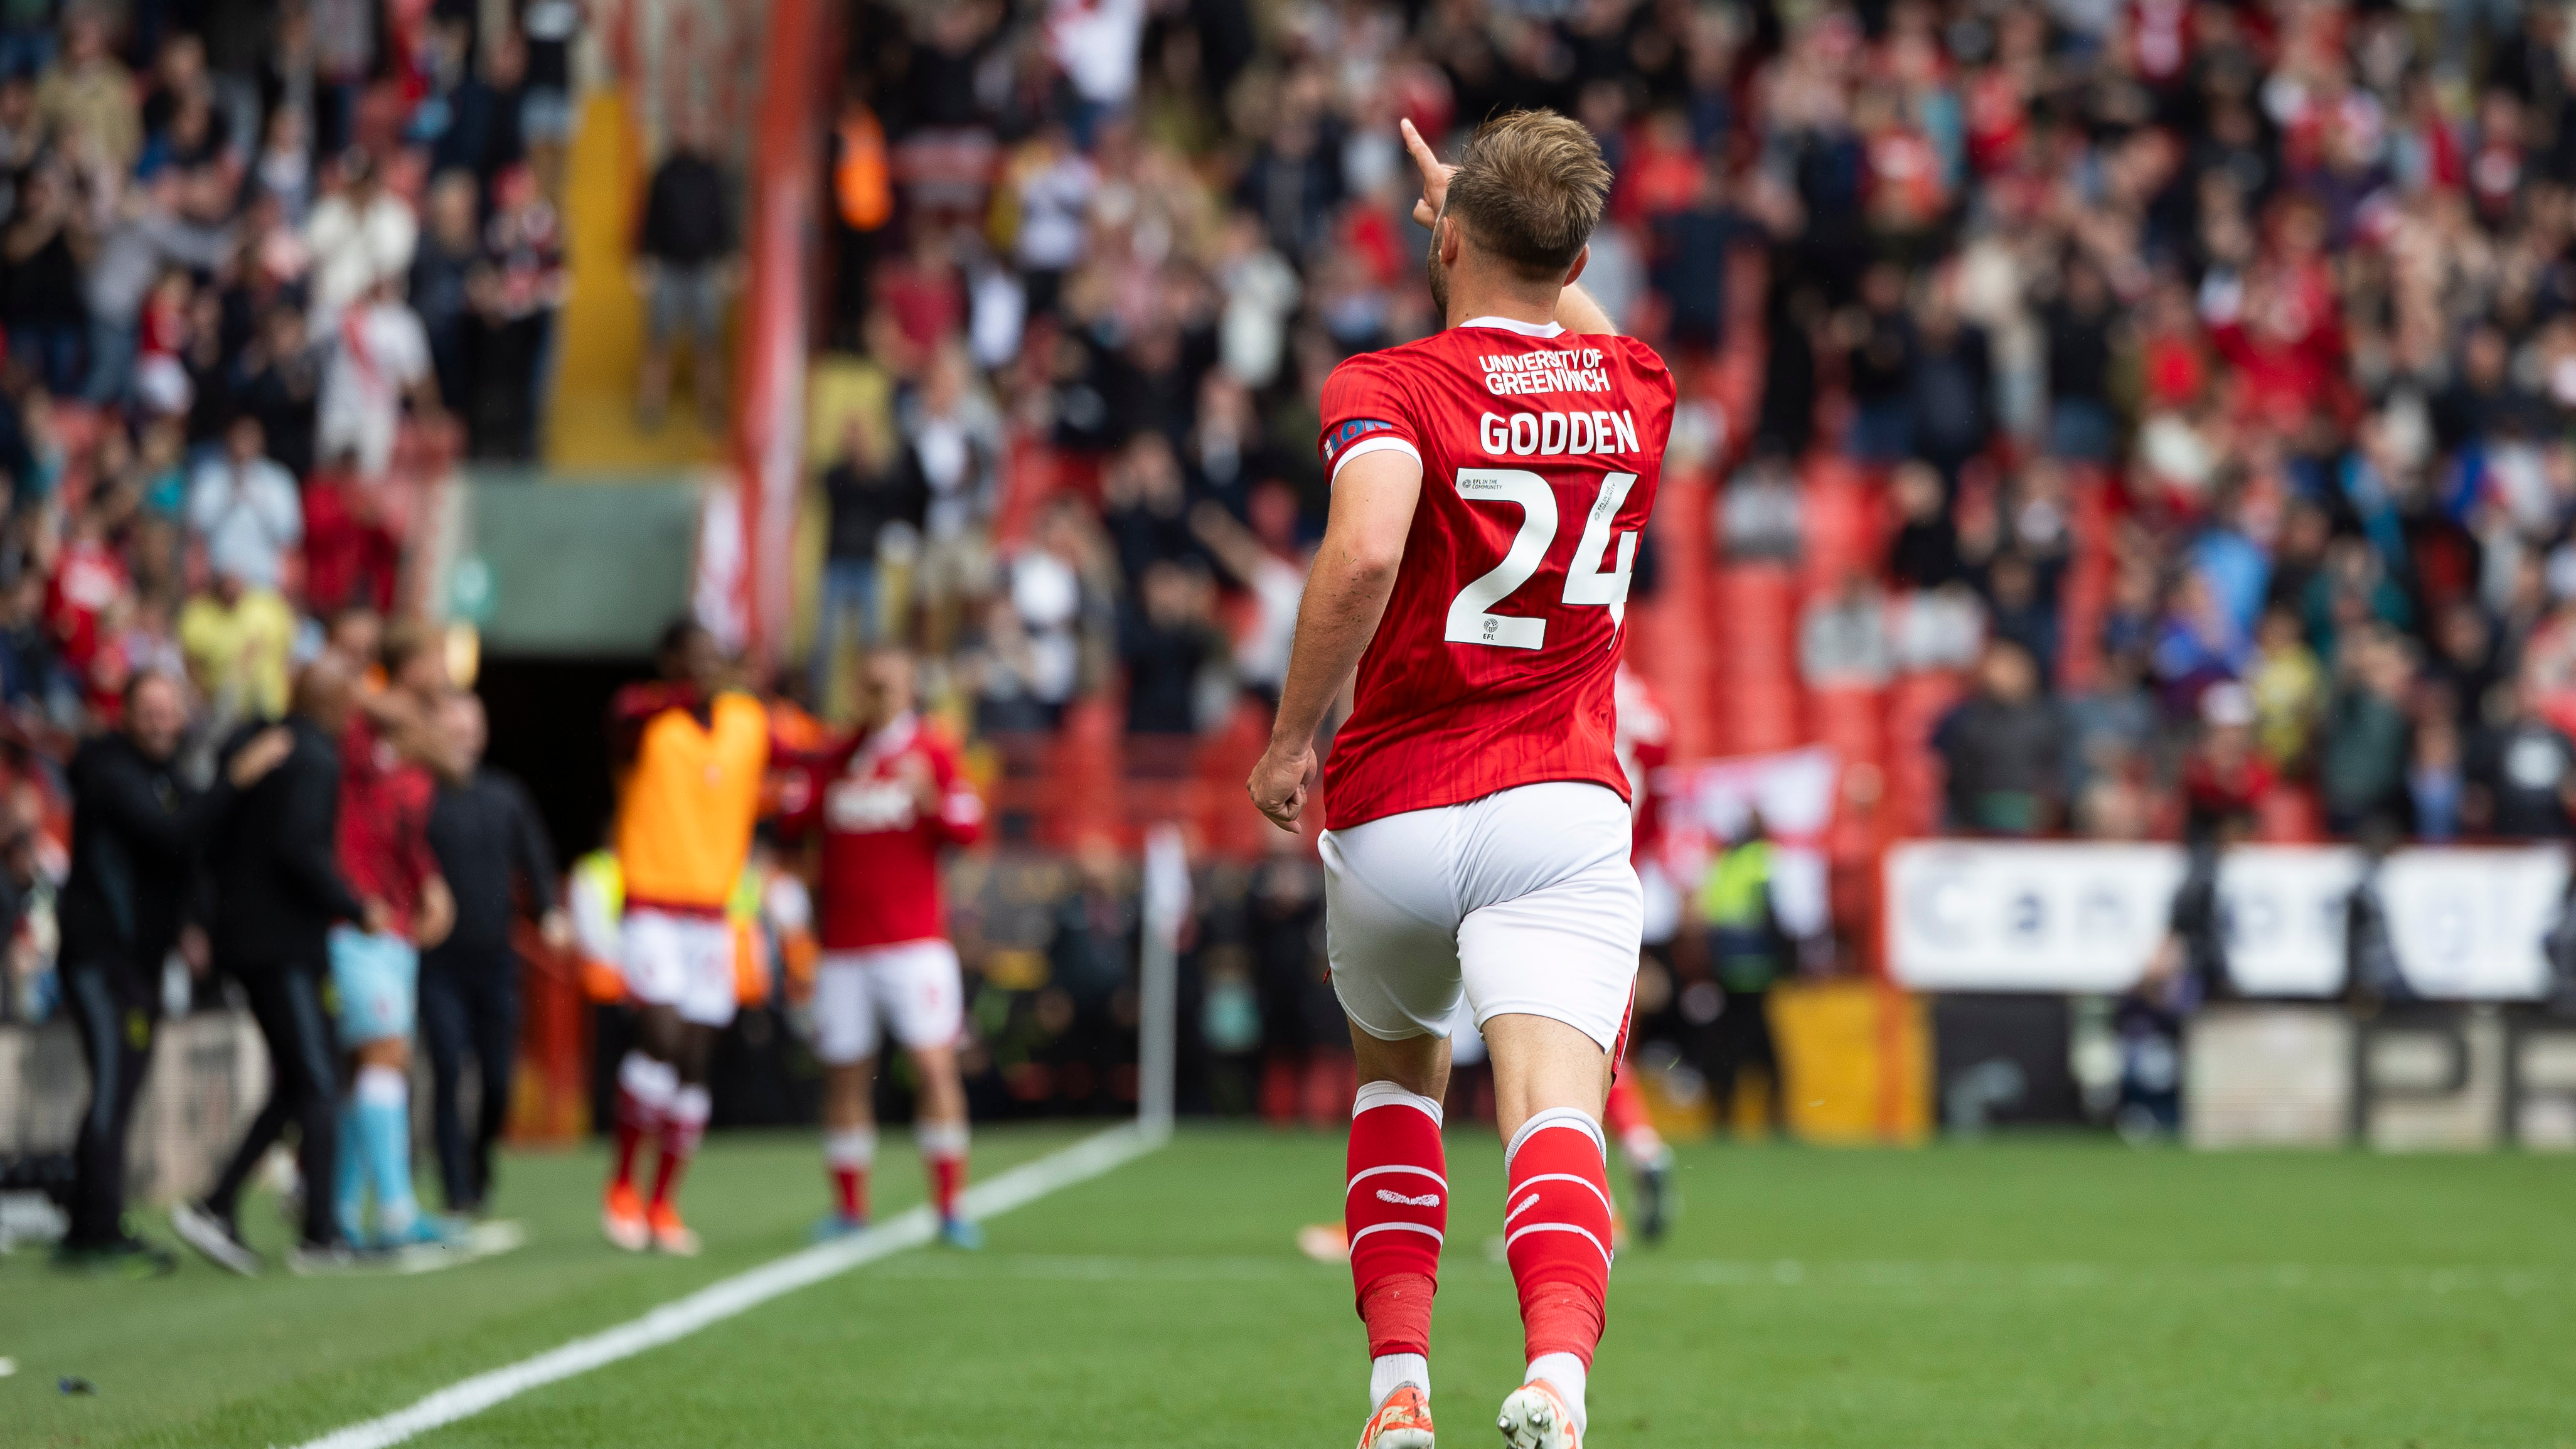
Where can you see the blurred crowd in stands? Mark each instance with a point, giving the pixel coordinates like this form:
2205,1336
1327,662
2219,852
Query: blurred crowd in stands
262,262
2198,371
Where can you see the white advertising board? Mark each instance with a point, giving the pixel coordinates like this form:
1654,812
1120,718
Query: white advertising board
1975,915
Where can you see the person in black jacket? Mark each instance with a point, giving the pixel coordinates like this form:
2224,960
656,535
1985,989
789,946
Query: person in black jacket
486,835
278,891
684,251
136,830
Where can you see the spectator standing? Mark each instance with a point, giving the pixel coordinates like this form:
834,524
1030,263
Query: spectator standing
442,274
2361,761
2080,420
516,291
1305,1038
379,357
1167,638
1053,184
1096,42
1276,579
2225,776
361,236
483,134
685,254
137,828
2524,774
42,254
236,640
1880,336
955,436
1748,953
174,220
2289,690
2189,967
278,891
282,387
489,845
878,504
2004,749
87,97
245,509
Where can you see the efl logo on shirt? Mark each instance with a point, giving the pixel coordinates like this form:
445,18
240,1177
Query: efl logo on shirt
1351,432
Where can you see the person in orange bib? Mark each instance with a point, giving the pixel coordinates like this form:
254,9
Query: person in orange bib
690,753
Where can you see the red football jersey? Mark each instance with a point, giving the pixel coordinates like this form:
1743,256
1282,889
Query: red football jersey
385,800
1540,453
880,876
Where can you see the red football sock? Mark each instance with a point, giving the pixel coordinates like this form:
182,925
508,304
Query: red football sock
1556,1232
644,1088
943,1150
630,1141
683,1128
848,1153
1395,1209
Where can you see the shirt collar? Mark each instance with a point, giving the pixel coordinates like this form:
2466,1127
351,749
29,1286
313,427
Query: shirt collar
890,740
1511,324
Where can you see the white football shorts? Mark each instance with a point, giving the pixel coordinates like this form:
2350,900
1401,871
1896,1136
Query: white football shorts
680,961
1524,899
910,989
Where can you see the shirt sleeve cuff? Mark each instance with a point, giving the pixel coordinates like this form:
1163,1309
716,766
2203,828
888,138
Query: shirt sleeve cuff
1374,445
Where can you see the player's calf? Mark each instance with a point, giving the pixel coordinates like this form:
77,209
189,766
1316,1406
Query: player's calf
1556,1235
1396,1210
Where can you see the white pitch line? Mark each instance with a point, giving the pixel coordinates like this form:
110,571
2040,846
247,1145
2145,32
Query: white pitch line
742,1292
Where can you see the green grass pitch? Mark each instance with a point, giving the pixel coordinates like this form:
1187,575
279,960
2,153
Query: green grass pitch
2040,1292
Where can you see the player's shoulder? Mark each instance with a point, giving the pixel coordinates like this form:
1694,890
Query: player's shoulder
937,739
1375,374
1637,351
1642,362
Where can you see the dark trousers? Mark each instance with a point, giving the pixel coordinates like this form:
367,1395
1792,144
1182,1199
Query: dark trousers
1739,1041
469,1003
113,1008
287,1003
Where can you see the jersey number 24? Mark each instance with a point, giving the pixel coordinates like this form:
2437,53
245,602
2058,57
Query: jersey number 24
1471,616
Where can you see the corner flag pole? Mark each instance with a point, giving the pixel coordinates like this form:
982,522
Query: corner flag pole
1166,907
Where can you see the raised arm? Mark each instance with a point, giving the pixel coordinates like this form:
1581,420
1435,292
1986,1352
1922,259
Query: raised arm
1576,312
1346,593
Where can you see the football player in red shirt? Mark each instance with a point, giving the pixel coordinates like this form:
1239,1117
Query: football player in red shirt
889,801
1490,486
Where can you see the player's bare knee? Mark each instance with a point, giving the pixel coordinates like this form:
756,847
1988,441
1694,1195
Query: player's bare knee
1540,1063
1418,1064
845,1092
695,1043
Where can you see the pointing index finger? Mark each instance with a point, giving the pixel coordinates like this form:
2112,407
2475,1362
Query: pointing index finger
1423,156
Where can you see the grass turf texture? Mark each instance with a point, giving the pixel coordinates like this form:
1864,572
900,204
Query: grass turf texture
2020,1293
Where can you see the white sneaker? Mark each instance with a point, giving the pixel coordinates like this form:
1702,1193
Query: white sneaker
214,1238
1534,1417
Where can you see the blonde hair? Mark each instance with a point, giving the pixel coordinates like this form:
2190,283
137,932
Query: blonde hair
1530,189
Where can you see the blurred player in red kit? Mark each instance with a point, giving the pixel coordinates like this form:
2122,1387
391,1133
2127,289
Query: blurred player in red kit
1490,486
889,800
1644,742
